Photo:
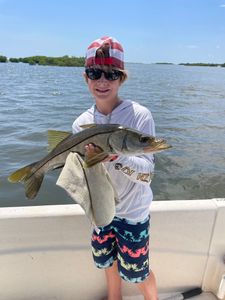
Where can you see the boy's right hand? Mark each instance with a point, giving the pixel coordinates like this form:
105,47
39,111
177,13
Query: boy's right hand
92,149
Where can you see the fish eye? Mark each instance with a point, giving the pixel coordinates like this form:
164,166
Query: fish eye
144,139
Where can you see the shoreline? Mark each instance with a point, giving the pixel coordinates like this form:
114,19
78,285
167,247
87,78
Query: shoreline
73,61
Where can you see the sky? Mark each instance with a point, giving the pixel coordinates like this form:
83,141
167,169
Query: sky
150,31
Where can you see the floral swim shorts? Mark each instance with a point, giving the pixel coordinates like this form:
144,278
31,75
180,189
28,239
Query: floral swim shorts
126,242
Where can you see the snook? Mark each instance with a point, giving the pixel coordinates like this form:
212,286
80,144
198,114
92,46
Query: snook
108,138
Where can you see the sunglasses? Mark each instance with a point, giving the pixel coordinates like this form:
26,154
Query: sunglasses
95,74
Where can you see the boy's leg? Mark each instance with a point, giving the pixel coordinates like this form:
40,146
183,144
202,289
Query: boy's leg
133,257
104,252
113,282
148,287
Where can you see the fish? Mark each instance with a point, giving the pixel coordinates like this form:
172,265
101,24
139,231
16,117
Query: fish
108,139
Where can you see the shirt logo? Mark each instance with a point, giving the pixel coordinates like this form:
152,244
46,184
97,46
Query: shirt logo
145,177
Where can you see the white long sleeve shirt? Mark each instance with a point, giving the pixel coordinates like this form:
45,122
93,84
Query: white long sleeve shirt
131,175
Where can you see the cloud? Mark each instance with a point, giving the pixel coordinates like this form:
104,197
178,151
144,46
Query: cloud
222,5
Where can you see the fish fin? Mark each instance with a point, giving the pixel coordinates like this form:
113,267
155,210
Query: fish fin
85,126
32,182
91,161
55,137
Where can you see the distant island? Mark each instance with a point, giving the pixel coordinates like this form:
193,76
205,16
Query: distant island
163,63
73,61
64,61
202,65
193,64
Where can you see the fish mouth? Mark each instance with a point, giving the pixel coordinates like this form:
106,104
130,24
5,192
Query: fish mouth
159,145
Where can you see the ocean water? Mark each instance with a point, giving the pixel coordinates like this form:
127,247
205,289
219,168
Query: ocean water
187,103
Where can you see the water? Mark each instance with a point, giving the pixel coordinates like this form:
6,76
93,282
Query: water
187,103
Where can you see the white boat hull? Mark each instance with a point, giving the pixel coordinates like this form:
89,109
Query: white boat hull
45,251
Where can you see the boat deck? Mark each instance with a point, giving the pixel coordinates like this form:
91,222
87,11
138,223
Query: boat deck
175,296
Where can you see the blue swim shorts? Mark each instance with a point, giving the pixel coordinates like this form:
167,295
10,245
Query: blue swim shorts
126,242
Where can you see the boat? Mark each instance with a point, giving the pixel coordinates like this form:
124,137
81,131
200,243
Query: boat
45,252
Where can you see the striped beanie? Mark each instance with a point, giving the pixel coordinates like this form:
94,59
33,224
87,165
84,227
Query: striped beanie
115,58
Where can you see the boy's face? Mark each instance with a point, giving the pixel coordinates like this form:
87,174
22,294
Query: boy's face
103,89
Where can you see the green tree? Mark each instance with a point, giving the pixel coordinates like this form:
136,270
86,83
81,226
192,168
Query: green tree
3,59
14,60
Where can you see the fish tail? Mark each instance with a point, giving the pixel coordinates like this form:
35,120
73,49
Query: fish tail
32,181
21,174
33,184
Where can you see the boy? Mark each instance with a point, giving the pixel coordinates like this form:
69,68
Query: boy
122,247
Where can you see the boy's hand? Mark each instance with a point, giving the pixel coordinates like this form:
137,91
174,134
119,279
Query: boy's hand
91,150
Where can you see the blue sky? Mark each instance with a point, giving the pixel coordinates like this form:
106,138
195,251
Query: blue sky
149,30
